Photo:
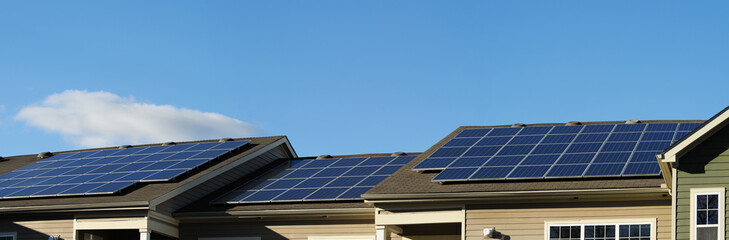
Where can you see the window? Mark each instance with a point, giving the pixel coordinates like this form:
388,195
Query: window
707,216
600,232
707,213
630,231
7,236
565,232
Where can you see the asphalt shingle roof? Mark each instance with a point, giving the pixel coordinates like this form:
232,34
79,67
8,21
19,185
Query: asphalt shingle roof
407,181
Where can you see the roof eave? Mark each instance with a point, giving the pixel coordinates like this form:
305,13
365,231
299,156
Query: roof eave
104,206
339,212
468,196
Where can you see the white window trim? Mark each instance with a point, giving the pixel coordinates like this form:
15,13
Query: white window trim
652,221
14,235
722,208
342,238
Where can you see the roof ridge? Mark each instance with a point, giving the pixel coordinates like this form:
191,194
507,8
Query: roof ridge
582,123
149,145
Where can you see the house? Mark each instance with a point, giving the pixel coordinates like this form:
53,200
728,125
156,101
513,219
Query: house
588,180
695,170
302,198
594,180
142,211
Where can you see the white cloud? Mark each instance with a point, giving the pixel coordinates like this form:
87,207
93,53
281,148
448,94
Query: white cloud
97,119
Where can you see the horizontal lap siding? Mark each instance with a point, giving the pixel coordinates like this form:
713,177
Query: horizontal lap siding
704,166
522,222
278,230
28,229
716,174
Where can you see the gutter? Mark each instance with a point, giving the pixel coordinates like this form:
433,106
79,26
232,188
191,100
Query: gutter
238,214
432,197
135,205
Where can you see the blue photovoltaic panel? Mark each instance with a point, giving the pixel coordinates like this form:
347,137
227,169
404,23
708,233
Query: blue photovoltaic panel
330,179
108,171
603,150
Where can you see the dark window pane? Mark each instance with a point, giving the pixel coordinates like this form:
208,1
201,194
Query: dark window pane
701,201
712,201
610,231
624,230
575,232
553,232
600,231
589,231
701,217
635,230
712,216
645,230
564,232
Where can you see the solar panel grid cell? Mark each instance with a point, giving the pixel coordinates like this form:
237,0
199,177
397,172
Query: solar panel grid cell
493,141
108,171
474,133
319,180
565,151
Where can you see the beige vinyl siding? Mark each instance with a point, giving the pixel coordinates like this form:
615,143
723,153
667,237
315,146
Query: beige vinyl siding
716,175
275,230
33,229
221,180
526,221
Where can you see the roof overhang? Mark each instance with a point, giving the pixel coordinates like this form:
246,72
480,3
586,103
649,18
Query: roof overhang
138,205
260,214
523,195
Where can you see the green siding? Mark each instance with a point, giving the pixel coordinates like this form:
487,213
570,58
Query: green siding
706,166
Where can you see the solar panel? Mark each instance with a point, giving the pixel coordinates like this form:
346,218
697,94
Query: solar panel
108,171
332,179
603,150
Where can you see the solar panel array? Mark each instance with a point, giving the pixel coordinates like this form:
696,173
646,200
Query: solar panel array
328,179
537,152
108,171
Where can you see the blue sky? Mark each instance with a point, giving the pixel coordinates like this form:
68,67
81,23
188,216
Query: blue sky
347,77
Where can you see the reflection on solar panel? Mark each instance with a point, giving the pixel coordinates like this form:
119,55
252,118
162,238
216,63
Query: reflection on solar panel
554,151
108,171
328,179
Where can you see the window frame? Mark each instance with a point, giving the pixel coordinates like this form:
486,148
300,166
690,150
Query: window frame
616,222
14,235
720,191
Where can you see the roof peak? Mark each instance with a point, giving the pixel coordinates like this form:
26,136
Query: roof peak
632,121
